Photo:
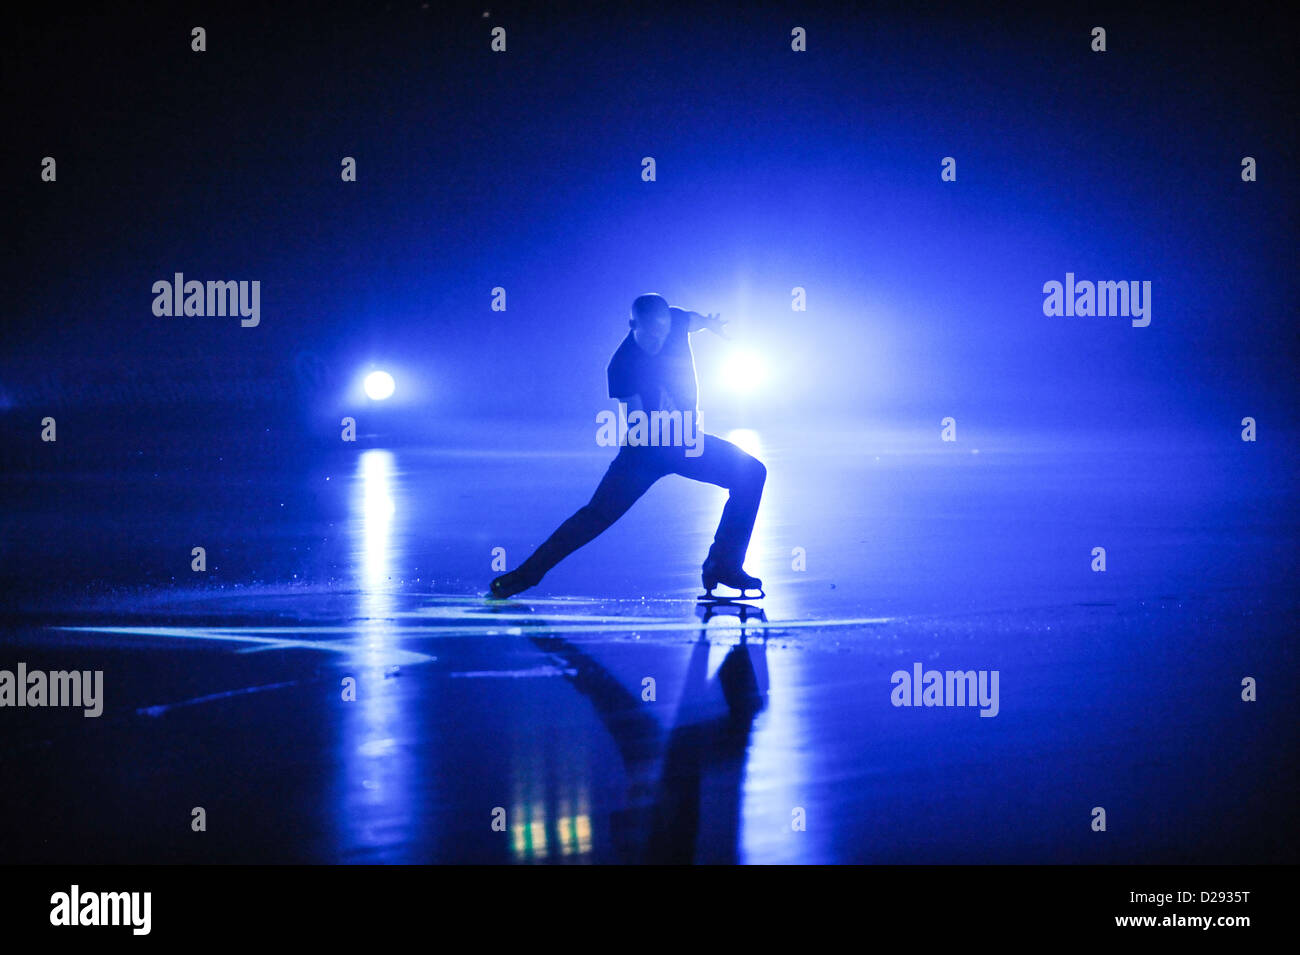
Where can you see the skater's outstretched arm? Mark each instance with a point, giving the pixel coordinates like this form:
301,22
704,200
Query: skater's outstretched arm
698,322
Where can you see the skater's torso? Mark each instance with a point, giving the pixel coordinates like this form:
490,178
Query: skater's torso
665,380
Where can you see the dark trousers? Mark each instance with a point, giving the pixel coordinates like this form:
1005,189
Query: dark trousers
632,473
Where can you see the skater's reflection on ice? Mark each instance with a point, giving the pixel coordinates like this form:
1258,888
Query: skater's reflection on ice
685,785
700,800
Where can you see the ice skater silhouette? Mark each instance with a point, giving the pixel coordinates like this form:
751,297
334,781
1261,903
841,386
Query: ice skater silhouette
653,370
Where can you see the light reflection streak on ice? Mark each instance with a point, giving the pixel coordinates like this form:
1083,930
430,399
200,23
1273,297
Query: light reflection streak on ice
272,637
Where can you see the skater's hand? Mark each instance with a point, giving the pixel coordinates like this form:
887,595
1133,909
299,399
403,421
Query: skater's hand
714,322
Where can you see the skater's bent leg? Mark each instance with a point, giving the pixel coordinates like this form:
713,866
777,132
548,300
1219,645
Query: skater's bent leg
724,464
619,489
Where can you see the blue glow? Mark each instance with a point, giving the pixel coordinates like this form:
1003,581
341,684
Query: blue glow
868,300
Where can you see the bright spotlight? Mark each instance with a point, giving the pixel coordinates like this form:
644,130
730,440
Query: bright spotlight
742,371
379,385
747,440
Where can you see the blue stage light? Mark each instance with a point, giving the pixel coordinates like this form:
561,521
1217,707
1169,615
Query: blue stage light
742,371
379,385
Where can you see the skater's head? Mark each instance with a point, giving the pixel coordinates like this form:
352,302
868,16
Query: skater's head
650,321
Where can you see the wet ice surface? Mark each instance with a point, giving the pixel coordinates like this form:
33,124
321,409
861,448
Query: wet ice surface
224,690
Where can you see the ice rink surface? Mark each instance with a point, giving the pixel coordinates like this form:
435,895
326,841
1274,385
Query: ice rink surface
600,718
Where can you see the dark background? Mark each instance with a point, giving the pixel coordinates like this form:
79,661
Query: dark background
522,170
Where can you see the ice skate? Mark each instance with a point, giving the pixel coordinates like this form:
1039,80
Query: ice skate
511,583
715,572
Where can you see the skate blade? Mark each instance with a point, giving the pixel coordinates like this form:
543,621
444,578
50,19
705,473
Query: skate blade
713,598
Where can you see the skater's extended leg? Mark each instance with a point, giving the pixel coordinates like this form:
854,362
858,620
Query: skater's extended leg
726,465
629,476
